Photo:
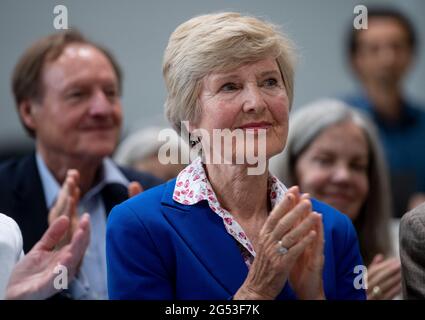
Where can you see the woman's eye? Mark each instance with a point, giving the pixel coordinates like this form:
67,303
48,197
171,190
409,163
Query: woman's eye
229,87
359,166
323,161
270,82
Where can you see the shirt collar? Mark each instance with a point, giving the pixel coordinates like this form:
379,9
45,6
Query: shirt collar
192,185
110,174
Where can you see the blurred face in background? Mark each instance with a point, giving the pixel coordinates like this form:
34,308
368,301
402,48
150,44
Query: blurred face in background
80,112
334,168
384,53
152,165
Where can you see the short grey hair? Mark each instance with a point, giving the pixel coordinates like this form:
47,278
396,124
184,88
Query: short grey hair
305,125
217,43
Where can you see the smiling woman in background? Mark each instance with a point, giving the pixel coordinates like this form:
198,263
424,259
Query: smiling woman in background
333,154
217,232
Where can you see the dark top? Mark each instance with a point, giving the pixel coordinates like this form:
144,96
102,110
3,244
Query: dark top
404,146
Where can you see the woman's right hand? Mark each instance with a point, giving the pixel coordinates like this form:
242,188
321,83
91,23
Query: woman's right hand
384,278
291,224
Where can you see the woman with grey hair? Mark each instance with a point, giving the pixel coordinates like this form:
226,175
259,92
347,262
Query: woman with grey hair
333,153
220,230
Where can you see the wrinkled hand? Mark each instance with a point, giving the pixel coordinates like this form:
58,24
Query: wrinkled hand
66,204
295,225
306,275
384,274
134,188
33,276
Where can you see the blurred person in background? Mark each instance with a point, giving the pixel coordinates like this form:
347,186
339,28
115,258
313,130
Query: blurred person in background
139,150
32,276
380,57
67,91
412,253
334,155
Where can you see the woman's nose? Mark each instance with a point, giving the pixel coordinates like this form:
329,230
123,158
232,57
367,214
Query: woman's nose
253,99
342,173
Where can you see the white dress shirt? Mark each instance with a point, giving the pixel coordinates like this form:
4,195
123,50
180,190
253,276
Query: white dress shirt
10,250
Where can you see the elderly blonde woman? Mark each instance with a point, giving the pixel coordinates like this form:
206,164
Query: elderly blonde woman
216,231
333,153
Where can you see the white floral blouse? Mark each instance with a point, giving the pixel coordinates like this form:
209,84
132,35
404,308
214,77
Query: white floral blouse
192,186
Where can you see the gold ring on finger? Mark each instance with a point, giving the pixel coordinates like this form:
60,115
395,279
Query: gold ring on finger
376,291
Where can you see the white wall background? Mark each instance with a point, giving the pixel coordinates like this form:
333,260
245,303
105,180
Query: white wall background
137,33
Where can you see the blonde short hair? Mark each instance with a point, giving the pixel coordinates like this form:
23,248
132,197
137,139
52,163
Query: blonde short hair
218,42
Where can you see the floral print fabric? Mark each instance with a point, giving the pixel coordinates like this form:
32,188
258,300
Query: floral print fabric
192,186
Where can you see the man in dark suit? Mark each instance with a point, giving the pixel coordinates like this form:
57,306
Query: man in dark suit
412,253
67,92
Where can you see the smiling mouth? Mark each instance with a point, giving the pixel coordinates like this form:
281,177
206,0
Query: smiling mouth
256,126
339,197
99,128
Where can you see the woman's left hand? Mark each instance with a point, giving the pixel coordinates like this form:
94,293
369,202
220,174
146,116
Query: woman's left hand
384,278
306,276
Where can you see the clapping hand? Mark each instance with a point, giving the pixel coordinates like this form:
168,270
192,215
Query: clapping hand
33,276
67,203
134,188
306,275
384,278
290,247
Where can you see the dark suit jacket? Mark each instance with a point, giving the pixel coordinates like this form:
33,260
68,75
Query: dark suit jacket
22,196
412,253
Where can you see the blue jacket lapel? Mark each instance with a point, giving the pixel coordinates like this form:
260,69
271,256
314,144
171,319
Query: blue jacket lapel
206,236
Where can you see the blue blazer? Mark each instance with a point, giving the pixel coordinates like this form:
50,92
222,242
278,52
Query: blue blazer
160,249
